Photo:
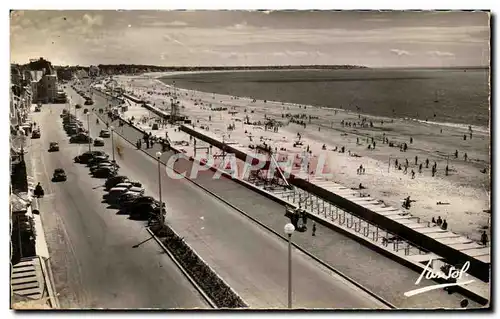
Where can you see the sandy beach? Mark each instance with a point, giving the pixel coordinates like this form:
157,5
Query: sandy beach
461,197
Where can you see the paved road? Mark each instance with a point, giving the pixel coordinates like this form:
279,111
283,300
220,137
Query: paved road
92,258
380,274
249,258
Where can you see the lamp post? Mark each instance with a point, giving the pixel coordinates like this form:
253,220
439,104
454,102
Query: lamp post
289,229
158,155
112,129
88,129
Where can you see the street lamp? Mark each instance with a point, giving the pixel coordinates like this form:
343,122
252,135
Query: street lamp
289,229
112,129
88,129
158,155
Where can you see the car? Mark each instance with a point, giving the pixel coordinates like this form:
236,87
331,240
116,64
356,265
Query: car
131,187
80,138
53,147
35,134
127,198
38,109
96,160
87,156
115,180
78,106
98,141
141,211
104,133
114,194
142,200
89,102
59,175
104,165
104,173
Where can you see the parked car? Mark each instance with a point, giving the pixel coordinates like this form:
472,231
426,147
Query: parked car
96,160
105,164
104,173
127,198
89,102
115,180
98,141
35,134
80,138
78,106
104,133
38,109
131,187
87,156
53,147
141,200
114,194
59,175
141,211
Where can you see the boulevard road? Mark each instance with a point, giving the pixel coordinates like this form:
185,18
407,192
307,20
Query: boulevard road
92,258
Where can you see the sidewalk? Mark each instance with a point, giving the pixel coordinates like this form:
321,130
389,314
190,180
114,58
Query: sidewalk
40,261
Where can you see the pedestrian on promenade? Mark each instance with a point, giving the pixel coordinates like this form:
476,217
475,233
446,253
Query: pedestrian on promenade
314,229
484,238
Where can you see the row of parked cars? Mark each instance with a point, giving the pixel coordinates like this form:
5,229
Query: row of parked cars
77,132
88,100
122,193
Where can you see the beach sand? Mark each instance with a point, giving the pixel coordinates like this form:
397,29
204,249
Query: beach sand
466,191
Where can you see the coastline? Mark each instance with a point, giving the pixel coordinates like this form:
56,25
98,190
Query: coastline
159,75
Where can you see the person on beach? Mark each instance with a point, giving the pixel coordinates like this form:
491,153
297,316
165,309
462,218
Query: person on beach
420,168
427,163
433,220
416,159
465,137
446,170
465,157
484,238
439,221
433,171
456,153
407,163
396,163
411,140
444,226
412,174
406,169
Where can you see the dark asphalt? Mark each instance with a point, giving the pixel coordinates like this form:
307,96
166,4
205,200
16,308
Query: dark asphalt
92,258
380,274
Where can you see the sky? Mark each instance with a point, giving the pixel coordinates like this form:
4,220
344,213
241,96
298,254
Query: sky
225,38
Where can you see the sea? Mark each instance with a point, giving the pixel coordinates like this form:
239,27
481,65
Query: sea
460,96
